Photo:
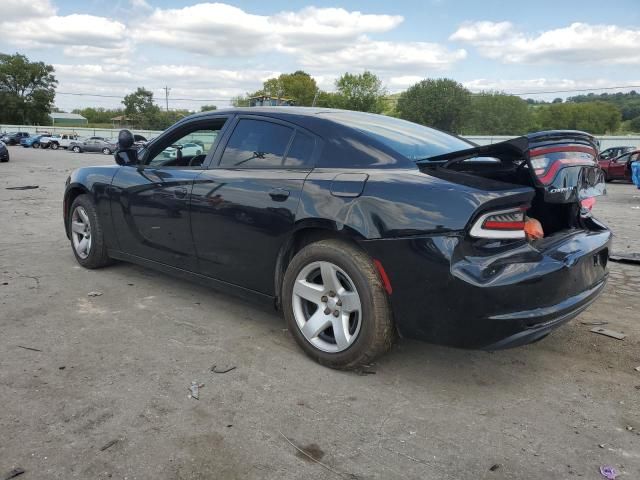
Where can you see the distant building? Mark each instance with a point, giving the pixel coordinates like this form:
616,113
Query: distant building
120,121
267,101
67,119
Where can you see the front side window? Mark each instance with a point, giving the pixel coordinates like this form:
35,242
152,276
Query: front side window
189,149
256,144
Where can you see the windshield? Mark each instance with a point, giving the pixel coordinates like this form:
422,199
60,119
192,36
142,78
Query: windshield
409,139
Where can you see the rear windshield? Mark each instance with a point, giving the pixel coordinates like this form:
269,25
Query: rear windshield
409,139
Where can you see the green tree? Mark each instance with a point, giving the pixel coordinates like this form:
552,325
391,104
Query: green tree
27,90
208,108
298,86
241,100
441,103
494,113
634,124
140,107
362,92
100,114
594,117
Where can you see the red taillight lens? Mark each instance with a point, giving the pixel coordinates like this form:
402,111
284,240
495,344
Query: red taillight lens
547,161
504,224
588,203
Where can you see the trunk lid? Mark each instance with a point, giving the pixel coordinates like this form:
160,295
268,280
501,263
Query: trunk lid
562,165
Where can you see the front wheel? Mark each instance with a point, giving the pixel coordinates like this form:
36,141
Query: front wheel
87,237
106,151
336,306
76,149
36,145
54,146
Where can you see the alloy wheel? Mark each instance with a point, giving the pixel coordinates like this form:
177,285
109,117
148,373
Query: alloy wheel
327,307
81,232
106,151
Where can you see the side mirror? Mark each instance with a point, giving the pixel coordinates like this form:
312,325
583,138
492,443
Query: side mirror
125,139
126,155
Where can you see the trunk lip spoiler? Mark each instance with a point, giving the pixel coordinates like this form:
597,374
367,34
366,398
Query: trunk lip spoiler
513,149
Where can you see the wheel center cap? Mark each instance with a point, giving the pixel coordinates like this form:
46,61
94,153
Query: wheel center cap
332,302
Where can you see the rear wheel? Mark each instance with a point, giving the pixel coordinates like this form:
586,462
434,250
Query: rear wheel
36,145
106,151
336,306
87,237
54,146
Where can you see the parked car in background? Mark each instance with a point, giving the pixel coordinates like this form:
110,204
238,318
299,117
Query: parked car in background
187,149
14,138
619,168
4,152
32,141
614,152
60,140
94,144
357,226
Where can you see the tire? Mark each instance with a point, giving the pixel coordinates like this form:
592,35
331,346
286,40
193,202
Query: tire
54,146
84,211
36,145
371,329
106,151
76,149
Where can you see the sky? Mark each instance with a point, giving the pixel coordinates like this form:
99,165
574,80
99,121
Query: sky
207,53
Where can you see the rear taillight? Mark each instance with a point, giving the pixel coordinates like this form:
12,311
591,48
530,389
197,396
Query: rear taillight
547,161
588,203
501,224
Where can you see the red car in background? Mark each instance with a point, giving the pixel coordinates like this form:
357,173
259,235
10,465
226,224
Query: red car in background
619,168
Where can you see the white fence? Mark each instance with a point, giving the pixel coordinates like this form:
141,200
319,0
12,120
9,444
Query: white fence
81,131
606,141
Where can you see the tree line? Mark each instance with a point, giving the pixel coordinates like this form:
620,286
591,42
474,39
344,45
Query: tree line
27,93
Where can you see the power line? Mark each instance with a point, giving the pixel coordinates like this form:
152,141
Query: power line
167,89
82,94
576,90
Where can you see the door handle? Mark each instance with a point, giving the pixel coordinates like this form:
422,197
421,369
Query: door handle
180,192
279,194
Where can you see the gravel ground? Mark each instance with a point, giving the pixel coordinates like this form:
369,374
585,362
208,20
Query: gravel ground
106,395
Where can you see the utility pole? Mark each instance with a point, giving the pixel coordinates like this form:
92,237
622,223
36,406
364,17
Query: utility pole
166,96
315,97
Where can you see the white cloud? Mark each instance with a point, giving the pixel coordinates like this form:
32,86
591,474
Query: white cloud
81,35
577,43
384,56
219,29
19,9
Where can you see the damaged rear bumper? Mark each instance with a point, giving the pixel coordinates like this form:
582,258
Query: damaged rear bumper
450,291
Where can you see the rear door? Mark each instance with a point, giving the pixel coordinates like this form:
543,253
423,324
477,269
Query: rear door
244,206
150,202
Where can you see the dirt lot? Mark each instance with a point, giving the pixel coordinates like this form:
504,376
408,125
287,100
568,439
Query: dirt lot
116,367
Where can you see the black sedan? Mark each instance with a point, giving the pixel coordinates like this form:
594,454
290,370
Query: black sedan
358,227
4,152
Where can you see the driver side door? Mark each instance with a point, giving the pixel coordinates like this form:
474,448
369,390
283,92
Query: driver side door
617,167
150,202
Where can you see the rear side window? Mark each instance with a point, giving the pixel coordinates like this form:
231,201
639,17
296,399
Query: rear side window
301,151
414,141
256,144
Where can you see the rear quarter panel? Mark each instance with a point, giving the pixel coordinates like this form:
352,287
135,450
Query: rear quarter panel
398,202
